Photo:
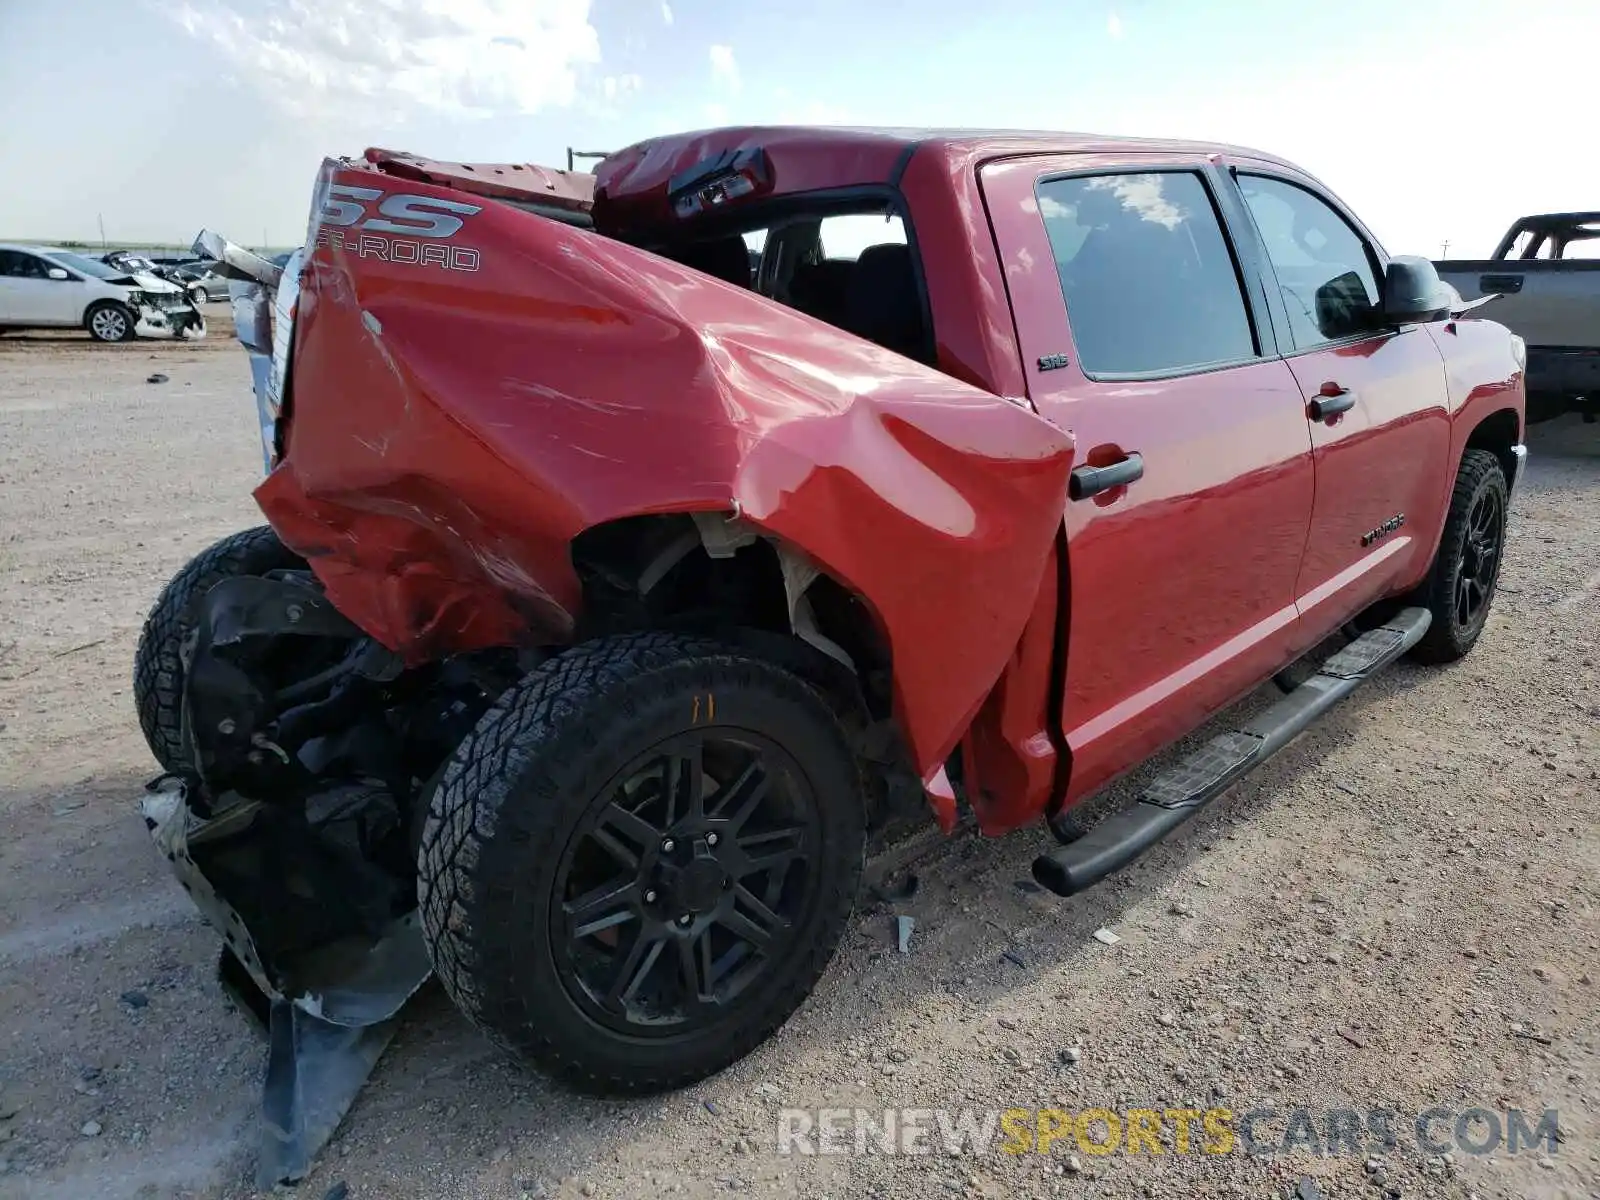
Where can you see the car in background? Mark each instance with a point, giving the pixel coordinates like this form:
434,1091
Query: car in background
1544,277
202,280
43,287
181,274
129,260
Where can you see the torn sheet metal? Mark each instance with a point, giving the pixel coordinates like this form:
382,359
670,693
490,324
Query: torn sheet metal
263,296
235,261
561,195
635,186
457,419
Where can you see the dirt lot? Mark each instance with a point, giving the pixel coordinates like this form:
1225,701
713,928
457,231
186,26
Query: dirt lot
1402,912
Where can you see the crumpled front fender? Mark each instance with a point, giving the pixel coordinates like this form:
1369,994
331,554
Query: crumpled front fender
450,432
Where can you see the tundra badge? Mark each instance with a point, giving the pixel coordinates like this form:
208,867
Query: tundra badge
1384,530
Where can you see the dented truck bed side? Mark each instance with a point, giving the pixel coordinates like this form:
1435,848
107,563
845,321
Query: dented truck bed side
463,406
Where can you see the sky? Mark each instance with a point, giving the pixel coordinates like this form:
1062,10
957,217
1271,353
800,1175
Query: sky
1435,120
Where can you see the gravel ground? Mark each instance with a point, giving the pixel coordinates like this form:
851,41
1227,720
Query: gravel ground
1400,912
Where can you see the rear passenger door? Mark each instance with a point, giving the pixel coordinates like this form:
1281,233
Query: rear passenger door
1145,335
1381,445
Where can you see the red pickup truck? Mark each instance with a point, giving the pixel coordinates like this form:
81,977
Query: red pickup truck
642,546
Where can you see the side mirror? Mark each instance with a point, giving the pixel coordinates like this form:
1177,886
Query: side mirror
1413,291
57,274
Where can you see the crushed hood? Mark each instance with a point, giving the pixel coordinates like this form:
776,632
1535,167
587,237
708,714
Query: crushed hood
150,283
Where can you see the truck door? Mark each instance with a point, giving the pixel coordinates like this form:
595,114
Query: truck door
1377,402
1146,336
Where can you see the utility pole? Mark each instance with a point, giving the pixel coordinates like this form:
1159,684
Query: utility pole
1444,251
101,218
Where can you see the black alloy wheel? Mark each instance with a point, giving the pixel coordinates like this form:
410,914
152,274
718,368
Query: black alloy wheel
1479,563
685,881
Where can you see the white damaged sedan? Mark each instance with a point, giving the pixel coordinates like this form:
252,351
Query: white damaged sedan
42,287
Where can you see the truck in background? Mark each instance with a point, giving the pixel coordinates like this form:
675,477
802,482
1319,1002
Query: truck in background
1546,273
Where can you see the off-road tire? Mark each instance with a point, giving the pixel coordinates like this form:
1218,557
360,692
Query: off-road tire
509,802
127,330
157,668
1447,638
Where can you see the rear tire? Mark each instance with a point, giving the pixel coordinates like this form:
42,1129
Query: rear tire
157,666
1461,586
579,903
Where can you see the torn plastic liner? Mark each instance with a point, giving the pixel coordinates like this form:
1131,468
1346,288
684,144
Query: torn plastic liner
328,1012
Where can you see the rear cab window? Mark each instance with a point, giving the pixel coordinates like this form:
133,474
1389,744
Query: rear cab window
849,264
1150,282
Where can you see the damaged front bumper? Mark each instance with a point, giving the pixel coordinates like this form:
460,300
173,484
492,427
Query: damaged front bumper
180,320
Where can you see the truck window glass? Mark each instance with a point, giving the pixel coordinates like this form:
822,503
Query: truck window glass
1148,279
854,270
1323,267
845,237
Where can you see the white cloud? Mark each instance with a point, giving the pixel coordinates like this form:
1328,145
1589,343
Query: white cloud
666,13
389,57
1053,208
1142,194
723,69
1114,26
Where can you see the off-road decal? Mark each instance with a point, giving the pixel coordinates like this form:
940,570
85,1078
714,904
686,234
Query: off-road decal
356,220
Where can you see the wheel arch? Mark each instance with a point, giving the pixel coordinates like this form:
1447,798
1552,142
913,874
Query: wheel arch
719,570
1498,433
715,571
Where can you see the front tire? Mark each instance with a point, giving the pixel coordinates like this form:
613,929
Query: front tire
642,860
1461,587
109,321
157,666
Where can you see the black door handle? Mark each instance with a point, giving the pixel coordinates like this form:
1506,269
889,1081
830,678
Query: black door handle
1500,283
1090,481
1332,400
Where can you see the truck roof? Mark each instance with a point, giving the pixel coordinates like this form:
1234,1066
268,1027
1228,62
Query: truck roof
1558,219
806,158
